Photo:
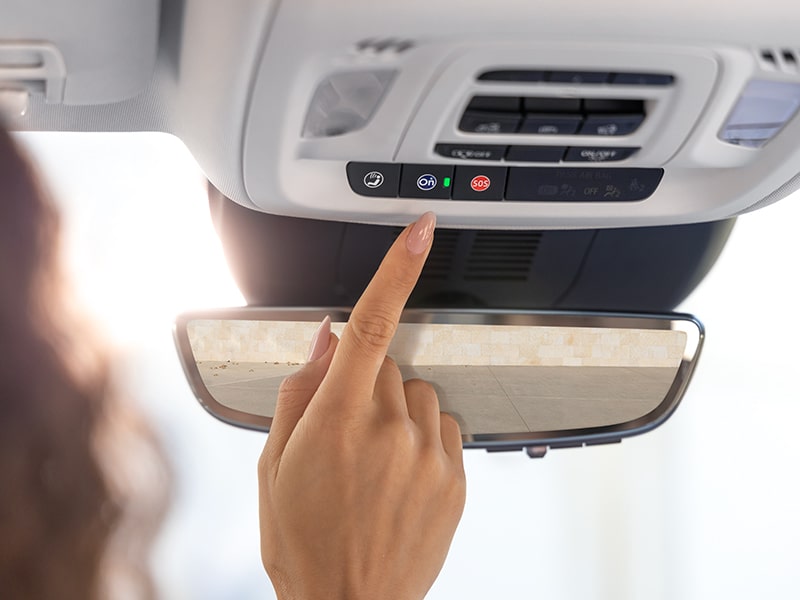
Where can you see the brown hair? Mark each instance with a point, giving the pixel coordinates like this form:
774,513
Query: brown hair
71,453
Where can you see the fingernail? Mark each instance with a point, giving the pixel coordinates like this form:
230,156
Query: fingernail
421,234
320,341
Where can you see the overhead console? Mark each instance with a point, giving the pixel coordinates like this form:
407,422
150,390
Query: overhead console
564,116
516,131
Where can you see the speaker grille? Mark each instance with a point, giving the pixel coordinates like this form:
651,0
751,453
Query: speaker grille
501,256
462,255
439,265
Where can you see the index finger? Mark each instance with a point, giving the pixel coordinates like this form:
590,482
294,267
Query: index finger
374,319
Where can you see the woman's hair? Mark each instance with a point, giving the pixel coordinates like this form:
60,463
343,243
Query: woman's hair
83,482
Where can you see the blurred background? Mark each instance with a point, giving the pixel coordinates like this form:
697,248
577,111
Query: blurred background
704,507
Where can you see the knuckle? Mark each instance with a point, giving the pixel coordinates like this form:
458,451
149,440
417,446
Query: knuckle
397,433
263,463
389,364
457,490
434,467
294,384
422,389
374,330
448,421
404,276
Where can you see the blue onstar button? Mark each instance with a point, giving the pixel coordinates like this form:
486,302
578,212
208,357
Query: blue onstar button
426,182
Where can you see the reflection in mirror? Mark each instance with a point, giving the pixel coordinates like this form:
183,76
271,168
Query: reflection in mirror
494,379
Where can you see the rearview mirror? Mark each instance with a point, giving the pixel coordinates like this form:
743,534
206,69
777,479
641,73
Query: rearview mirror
512,379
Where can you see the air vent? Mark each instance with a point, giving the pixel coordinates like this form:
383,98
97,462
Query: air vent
501,256
384,46
782,60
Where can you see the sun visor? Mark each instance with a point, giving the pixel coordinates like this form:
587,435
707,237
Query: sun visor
77,51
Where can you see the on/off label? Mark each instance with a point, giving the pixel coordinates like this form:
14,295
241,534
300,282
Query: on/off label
480,183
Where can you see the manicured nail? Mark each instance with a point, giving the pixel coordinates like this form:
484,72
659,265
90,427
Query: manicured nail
320,341
421,234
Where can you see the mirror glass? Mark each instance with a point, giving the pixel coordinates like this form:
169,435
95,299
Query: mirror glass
495,379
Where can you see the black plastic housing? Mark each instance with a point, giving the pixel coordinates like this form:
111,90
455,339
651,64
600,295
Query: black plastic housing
284,261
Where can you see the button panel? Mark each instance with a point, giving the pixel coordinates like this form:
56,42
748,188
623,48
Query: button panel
538,184
552,116
511,184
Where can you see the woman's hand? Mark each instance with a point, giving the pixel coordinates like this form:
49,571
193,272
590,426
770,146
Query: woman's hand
362,479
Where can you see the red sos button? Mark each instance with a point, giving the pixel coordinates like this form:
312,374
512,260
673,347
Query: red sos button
480,183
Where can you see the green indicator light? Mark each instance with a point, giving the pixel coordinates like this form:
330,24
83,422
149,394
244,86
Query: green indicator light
446,182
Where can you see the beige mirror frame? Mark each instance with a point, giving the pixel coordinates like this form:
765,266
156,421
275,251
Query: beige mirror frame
536,443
